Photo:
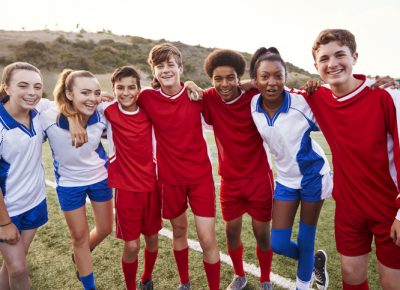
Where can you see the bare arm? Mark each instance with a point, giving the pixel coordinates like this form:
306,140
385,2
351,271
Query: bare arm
194,91
78,133
8,231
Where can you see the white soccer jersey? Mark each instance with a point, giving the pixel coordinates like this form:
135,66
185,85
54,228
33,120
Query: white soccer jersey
287,134
75,166
21,171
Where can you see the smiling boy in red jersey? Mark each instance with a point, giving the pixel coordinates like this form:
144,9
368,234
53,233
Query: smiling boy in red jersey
131,172
184,168
246,177
361,127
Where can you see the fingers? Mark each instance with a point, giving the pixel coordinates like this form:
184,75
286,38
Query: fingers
384,82
395,232
106,96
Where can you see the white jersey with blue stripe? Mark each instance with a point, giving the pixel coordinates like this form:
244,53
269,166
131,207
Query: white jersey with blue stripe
75,166
21,171
297,157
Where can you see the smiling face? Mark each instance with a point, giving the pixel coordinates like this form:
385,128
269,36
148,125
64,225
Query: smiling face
126,90
270,81
334,63
226,82
85,95
168,74
25,89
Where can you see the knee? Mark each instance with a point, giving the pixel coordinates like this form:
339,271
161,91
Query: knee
208,243
233,238
179,232
132,248
18,270
80,239
354,274
104,230
152,243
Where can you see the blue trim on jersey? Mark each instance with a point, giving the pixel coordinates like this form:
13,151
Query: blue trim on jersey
4,169
310,162
284,108
10,123
62,121
102,154
55,166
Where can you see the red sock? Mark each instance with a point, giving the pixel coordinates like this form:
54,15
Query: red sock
182,262
213,274
362,286
130,270
237,260
149,261
265,261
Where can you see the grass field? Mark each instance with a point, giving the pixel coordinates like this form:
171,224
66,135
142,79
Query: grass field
51,266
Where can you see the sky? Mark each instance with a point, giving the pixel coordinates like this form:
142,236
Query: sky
243,25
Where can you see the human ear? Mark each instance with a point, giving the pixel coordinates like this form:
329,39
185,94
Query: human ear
355,57
69,95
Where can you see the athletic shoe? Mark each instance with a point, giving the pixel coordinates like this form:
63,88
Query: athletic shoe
184,286
320,270
238,283
146,285
266,286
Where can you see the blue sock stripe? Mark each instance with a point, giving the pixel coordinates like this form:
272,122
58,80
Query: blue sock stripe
306,242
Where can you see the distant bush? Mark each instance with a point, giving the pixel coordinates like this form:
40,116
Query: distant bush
103,56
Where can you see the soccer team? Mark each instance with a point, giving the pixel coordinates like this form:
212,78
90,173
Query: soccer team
158,163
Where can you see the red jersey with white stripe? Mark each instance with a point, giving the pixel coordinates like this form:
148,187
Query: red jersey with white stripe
240,148
131,166
362,132
181,150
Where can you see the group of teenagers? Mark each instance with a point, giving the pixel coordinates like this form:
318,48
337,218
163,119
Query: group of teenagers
158,164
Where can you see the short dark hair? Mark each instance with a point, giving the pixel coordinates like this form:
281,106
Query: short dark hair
124,72
259,52
224,57
267,57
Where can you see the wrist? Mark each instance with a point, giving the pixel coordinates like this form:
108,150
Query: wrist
6,224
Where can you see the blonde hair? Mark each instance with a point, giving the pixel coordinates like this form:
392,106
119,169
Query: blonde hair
7,75
343,36
65,83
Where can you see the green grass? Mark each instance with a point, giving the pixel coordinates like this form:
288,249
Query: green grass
51,266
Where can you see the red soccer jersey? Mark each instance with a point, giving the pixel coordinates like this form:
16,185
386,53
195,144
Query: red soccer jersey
131,165
361,130
240,148
181,150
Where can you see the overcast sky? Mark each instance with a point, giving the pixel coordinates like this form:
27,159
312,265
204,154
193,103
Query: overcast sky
290,25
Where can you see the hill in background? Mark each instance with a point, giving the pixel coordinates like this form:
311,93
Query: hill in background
101,52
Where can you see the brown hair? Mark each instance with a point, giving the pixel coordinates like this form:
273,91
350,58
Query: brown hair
161,53
343,36
65,83
7,75
123,72
224,57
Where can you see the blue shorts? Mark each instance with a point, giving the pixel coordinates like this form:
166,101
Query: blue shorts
74,197
315,190
33,218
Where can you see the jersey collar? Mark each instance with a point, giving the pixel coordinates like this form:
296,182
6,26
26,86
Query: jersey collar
10,123
62,121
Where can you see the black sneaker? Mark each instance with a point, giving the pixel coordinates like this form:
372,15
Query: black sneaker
320,270
146,285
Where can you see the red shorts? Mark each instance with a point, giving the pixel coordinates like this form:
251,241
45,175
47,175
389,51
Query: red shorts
136,213
252,195
175,198
354,233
